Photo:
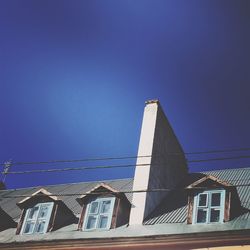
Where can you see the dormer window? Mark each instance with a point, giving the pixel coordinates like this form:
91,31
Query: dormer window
43,212
99,213
37,218
103,208
209,201
209,206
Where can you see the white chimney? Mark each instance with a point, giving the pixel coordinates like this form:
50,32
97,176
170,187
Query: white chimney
166,164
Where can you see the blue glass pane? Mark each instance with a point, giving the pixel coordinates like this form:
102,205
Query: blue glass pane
105,206
29,227
103,222
33,212
215,215
202,216
202,200
216,197
91,222
43,211
40,227
94,207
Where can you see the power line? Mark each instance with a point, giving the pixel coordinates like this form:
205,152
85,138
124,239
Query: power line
73,169
117,166
110,192
126,157
79,160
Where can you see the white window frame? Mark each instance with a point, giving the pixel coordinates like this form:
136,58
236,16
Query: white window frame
208,207
99,214
37,219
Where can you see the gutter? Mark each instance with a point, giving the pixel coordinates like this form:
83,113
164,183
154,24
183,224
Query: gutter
159,242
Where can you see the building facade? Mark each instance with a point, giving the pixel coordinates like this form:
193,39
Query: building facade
162,207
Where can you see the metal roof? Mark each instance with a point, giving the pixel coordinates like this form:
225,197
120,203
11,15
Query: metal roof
168,218
9,204
176,210
166,212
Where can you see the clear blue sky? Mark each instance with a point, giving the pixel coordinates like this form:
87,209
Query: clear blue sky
74,76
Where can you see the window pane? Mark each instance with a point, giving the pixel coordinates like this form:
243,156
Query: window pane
215,215
94,207
43,211
202,200
103,222
215,199
37,218
201,216
105,206
91,222
33,212
29,227
40,227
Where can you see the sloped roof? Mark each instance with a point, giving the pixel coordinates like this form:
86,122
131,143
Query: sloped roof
100,188
167,219
176,210
100,185
9,198
40,191
206,178
6,220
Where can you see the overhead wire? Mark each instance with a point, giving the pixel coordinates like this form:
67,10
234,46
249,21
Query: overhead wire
119,166
115,166
111,192
75,169
126,157
78,160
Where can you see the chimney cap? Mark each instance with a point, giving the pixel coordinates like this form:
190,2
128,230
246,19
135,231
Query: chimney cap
152,101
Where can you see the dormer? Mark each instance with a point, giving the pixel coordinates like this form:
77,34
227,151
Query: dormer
42,212
209,201
103,208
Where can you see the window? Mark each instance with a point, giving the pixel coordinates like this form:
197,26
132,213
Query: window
99,213
209,207
37,218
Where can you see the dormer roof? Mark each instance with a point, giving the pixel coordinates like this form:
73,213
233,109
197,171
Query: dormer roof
39,194
100,189
209,181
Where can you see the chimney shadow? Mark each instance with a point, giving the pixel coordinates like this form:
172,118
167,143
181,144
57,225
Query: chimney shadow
173,201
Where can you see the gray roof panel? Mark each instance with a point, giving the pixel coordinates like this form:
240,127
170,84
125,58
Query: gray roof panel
167,218
166,212
176,211
76,189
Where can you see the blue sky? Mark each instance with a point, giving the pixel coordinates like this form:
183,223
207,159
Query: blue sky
74,76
